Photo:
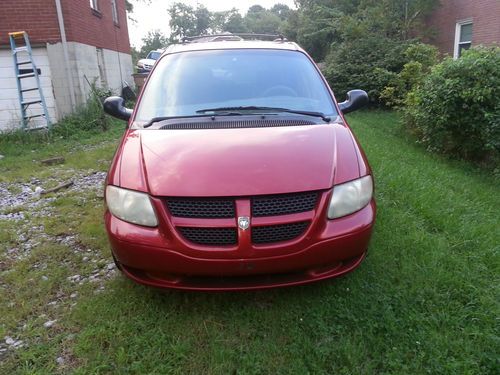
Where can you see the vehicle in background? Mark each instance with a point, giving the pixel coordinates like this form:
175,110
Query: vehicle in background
145,65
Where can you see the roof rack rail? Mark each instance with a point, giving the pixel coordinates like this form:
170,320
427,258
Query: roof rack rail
233,36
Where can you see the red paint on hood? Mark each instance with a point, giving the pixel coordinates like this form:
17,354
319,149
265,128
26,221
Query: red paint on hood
237,162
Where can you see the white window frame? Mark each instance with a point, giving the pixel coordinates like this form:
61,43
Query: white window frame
94,4
114,11
458,30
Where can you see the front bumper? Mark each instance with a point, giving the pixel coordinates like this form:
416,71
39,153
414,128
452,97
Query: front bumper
330,249
143,70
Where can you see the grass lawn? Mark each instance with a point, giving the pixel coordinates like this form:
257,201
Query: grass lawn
425,300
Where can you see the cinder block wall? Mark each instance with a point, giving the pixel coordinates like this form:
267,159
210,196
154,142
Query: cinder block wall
10,112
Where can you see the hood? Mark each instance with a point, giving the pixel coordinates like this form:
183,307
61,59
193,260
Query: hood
237,162
147,61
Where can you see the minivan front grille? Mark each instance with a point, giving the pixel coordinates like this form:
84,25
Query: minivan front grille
201,207
210,236
210,230
278,233
283,204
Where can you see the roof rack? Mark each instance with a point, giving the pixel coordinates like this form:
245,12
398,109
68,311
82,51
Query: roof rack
233,37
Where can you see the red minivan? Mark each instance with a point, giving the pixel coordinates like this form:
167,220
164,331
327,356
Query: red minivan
237,171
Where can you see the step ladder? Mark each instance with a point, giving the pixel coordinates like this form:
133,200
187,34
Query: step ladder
25,68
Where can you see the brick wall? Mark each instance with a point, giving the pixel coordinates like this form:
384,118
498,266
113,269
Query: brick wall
485,15
96,29
39,19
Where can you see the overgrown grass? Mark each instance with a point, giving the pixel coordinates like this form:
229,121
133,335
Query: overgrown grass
87,128
424,301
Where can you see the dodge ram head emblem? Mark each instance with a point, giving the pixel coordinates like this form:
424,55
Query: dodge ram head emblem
243,222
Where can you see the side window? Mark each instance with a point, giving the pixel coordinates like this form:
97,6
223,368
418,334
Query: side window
463,37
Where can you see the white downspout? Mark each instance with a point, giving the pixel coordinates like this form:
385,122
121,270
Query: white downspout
62,30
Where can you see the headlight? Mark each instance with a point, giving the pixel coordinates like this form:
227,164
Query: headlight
350,197
131,206
140,65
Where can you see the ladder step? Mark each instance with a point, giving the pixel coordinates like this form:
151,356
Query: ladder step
26,75
22,69
17,34
38,128
29,117
30,89
31,102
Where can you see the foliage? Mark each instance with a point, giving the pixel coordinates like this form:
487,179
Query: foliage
324,24
262,21
186,20
456,110
154,39
182,22
420,59
362,42
366,63
228,21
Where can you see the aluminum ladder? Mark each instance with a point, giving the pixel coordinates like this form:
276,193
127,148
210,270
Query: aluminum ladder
22,56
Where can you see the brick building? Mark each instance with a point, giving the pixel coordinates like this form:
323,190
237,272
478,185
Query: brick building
464,23
85,39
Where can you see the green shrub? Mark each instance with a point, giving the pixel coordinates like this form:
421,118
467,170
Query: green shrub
371,63
456,109
421,58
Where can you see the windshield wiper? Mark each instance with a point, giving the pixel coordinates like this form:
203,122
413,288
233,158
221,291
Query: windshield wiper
163,118
268,109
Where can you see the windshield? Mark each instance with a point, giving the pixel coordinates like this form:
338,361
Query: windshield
153,55
187,82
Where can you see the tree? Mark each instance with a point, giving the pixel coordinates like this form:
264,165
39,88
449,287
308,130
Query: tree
323,23
228,21
235,22
203,19
182,21
153,40
282,11
262,21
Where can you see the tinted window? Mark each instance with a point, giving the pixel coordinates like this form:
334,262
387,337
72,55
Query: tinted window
183,83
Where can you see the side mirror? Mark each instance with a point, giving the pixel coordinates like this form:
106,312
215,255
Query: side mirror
356,99
114,106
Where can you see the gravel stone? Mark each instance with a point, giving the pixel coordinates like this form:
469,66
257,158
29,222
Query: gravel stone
49,323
